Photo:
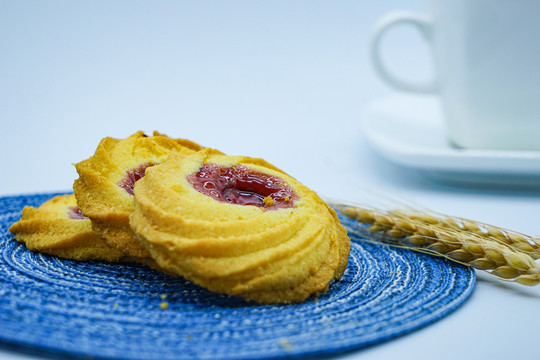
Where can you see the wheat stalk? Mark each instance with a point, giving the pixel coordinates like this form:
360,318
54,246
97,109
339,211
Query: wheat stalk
504,253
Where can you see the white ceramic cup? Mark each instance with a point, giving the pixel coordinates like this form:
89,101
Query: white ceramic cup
487,69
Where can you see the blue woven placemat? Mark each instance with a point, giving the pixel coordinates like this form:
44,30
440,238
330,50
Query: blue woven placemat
103,310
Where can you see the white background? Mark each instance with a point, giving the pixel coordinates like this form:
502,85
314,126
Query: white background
284,80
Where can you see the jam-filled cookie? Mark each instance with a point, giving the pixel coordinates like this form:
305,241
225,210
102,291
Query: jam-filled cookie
239,226
58,228
104,189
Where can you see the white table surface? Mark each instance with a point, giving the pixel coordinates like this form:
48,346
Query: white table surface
284,80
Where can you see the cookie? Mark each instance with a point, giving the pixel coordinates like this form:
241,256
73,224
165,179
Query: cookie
58,228
104,189
239,226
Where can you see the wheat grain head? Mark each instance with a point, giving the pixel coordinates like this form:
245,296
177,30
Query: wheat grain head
503,253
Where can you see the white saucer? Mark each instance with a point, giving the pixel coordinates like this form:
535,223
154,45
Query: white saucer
409,131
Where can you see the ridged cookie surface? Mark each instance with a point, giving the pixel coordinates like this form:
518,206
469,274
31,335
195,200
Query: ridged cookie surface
58,228
104,189
239,226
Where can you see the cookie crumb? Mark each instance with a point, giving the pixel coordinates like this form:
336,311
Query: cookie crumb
268,201
286,345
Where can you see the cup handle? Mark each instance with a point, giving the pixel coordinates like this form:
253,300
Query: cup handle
424,25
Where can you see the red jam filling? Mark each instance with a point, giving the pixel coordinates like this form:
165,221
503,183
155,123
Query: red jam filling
243,186
75,213
128,182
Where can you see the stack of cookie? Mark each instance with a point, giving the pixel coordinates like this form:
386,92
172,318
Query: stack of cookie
232,224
